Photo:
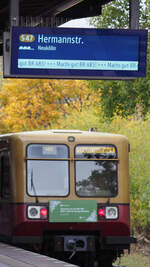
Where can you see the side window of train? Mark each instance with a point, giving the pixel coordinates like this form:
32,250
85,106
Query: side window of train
4,176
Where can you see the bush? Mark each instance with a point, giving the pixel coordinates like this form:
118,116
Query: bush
138,133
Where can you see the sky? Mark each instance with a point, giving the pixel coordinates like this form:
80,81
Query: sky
77,23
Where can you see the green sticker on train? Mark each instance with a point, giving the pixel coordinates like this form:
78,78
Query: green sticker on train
73,211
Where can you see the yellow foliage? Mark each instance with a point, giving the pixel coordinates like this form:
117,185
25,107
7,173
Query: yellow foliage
84,120
38,104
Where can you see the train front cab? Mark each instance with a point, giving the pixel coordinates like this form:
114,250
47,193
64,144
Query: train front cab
67,194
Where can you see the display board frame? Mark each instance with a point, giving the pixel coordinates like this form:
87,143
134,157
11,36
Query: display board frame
76,53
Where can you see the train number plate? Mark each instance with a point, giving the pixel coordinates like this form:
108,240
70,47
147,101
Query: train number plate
73,211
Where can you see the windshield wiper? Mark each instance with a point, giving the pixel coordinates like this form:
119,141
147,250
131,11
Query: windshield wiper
33,187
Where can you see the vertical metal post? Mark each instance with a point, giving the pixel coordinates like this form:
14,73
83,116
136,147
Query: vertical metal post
14,13
134,14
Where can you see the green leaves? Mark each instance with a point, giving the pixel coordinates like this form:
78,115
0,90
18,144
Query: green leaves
114,15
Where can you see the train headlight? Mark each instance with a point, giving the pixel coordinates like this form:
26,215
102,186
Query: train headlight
33,212
37,212
111,213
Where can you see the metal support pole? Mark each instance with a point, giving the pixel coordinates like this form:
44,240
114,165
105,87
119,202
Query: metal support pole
14,13
134,14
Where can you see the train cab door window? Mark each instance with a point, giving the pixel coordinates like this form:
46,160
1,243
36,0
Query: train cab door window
4,176
47,170
96,170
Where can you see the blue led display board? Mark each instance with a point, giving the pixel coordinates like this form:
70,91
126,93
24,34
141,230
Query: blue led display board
72,53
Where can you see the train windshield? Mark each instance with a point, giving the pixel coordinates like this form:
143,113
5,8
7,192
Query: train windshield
47,170
96,170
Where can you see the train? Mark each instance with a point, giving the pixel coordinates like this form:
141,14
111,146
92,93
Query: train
65,194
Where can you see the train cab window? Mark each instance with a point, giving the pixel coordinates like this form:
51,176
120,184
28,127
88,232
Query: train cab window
96,170
47,170
4,176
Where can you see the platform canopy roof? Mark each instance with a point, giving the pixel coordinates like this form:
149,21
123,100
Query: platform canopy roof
59,11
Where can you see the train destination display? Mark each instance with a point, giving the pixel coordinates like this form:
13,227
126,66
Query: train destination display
77,53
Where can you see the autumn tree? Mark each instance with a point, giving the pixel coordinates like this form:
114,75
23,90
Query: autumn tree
41,104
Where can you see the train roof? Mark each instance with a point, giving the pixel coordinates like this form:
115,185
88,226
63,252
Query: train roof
56,132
